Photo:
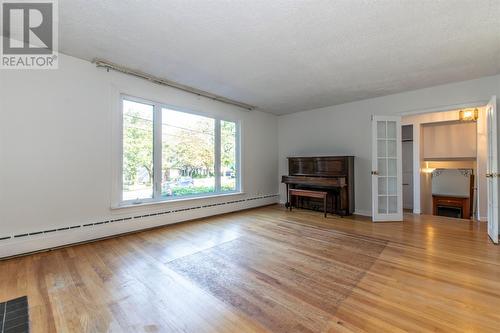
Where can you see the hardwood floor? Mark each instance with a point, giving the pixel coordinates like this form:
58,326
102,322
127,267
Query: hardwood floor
268,270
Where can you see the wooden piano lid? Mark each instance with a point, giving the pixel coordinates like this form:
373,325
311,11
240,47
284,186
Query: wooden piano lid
319,166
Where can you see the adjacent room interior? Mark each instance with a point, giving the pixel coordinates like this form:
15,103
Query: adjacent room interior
249,166
450,151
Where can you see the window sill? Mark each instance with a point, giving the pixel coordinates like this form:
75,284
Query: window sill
167,201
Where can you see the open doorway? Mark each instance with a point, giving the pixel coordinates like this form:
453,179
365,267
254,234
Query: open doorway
446,158
453,143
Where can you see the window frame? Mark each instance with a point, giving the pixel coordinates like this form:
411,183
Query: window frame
157,154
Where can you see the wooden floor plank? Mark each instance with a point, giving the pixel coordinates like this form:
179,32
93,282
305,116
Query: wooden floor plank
268,270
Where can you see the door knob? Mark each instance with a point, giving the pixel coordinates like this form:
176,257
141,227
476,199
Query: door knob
490,175
375,173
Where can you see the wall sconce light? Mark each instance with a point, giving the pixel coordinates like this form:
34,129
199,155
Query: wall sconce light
468,114
427,169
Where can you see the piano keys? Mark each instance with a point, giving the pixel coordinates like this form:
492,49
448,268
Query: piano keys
334,174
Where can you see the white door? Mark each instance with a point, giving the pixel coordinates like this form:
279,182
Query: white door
386,169
492,169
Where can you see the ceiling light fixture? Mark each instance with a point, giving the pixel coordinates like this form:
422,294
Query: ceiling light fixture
468,114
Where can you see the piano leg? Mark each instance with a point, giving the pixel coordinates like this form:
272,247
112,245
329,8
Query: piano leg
324,204
333,203
287,204
338,204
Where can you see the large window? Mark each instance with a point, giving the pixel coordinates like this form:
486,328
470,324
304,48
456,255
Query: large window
170,154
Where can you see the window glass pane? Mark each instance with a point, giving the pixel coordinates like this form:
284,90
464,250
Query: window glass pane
137,151
228,156
188,154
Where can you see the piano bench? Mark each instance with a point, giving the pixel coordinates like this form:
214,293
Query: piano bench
309,194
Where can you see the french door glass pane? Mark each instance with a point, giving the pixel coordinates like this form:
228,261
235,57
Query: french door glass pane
392,167
188,154
391,148
382,204
392,186
382,185
381,148
392,205
137,151
387,167
391,130
381,130
382,167
228,156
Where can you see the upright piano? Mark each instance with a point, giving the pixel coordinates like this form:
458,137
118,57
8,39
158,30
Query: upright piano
333,174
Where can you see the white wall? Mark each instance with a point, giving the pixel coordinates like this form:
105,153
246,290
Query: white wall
56,146
346,129
449,140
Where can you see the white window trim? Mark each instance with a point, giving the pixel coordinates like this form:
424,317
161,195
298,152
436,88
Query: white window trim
117,132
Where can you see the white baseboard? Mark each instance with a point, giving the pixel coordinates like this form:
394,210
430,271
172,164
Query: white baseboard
48,240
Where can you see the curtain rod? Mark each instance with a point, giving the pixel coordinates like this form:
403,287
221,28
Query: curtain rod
100,63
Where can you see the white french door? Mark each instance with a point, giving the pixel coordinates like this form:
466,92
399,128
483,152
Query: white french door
492,169
387,182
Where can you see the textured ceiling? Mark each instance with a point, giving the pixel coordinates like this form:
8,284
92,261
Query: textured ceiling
288,55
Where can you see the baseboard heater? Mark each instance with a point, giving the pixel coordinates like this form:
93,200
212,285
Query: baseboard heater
135,217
